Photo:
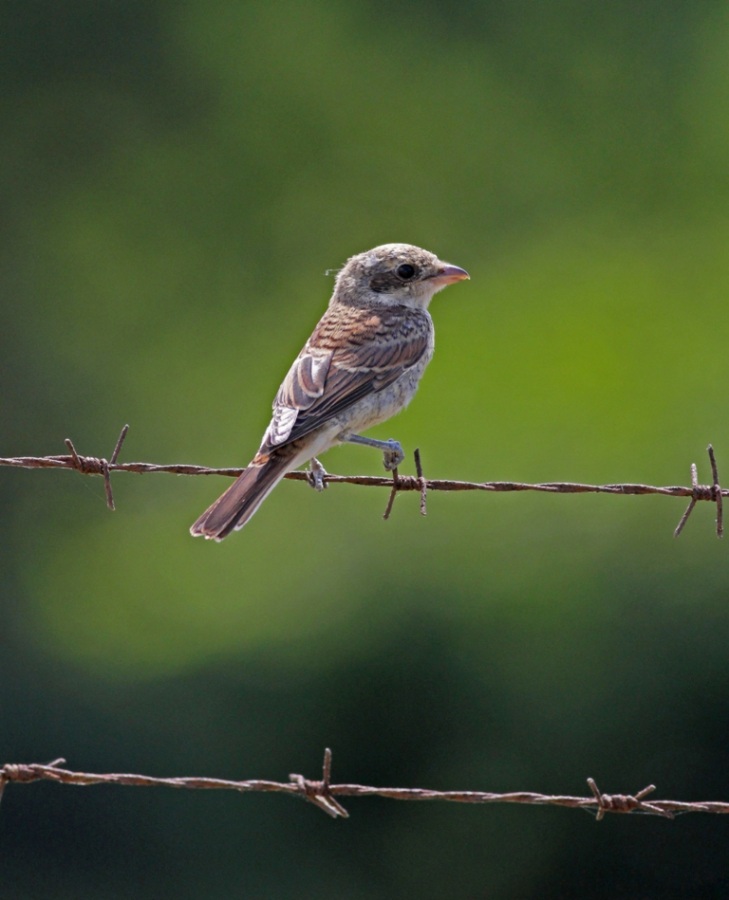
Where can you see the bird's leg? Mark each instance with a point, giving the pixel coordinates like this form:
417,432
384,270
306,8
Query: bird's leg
392,450
315,475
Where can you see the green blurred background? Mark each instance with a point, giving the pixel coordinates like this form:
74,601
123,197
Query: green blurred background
176,178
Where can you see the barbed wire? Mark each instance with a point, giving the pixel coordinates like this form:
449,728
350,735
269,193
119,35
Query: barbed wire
91,465
323,794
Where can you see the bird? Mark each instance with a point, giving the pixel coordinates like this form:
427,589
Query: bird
361,365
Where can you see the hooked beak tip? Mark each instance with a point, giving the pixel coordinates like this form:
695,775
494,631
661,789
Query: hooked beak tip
448,274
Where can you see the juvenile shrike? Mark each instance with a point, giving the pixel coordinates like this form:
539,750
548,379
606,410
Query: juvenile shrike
361,365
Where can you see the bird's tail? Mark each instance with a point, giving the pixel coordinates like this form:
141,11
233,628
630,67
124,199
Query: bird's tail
235,507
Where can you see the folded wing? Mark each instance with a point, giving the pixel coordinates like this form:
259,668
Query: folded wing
352,353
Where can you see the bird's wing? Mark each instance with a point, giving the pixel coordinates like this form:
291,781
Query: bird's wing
352,353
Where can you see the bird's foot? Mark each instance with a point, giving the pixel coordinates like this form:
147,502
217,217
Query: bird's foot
392,454
316,474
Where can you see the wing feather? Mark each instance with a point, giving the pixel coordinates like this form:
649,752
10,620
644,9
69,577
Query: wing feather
352,353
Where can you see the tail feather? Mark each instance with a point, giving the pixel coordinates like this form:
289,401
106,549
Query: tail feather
235,507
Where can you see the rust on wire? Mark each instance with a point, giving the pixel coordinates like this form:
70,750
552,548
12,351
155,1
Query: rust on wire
319,792
323,794
716,489
712,493
422,483
626,803
89,465
393,493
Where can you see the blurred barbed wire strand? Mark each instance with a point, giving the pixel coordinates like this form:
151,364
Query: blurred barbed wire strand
323,794
91,465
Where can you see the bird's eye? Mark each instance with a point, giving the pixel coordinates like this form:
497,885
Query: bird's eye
406,271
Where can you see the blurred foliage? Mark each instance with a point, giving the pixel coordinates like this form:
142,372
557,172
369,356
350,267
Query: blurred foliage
176,179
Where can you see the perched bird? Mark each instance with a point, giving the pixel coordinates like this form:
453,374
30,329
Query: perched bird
361,365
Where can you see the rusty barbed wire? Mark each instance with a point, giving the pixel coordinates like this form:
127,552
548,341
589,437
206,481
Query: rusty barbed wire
397,483
322,793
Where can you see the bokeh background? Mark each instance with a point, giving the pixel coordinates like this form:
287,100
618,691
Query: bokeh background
176,178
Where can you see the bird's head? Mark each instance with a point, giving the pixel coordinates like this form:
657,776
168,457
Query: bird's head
394,275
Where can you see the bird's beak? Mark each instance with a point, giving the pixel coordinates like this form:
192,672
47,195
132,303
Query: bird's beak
448,274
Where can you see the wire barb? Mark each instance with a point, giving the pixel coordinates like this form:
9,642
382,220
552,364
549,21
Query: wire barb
90,465
716,493
393,493
626,803
712,492
319,792
407,483
423,484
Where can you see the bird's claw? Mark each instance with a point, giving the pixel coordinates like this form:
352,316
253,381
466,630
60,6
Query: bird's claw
315,475
393,455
